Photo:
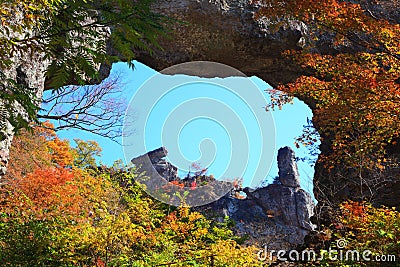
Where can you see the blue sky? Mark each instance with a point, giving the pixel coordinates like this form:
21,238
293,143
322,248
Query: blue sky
206,121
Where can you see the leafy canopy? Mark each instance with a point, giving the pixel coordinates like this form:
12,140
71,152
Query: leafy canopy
355,92
75,37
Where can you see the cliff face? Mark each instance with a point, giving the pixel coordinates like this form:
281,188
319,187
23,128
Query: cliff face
29,71
277,215
225,31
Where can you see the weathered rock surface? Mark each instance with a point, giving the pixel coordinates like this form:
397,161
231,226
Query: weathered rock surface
288,173
28,70
224,31
157,159
277,215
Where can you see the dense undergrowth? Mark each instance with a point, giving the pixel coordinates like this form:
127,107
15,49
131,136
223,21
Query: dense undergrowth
58,208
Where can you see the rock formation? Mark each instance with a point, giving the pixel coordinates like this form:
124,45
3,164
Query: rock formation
225,31
28,71
288,173
277,215
157,158
197,188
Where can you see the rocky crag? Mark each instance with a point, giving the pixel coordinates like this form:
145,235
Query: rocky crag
162,182
160,164
277,215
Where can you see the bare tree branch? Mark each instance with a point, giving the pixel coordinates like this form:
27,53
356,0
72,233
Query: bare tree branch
98,109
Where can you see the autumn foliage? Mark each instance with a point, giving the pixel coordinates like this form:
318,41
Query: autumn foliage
365,227
56,213
357,105
355,91
371,233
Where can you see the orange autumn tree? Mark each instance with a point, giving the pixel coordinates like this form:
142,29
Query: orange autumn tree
40,175
39,197
53,213
358,108
37,151
355,91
